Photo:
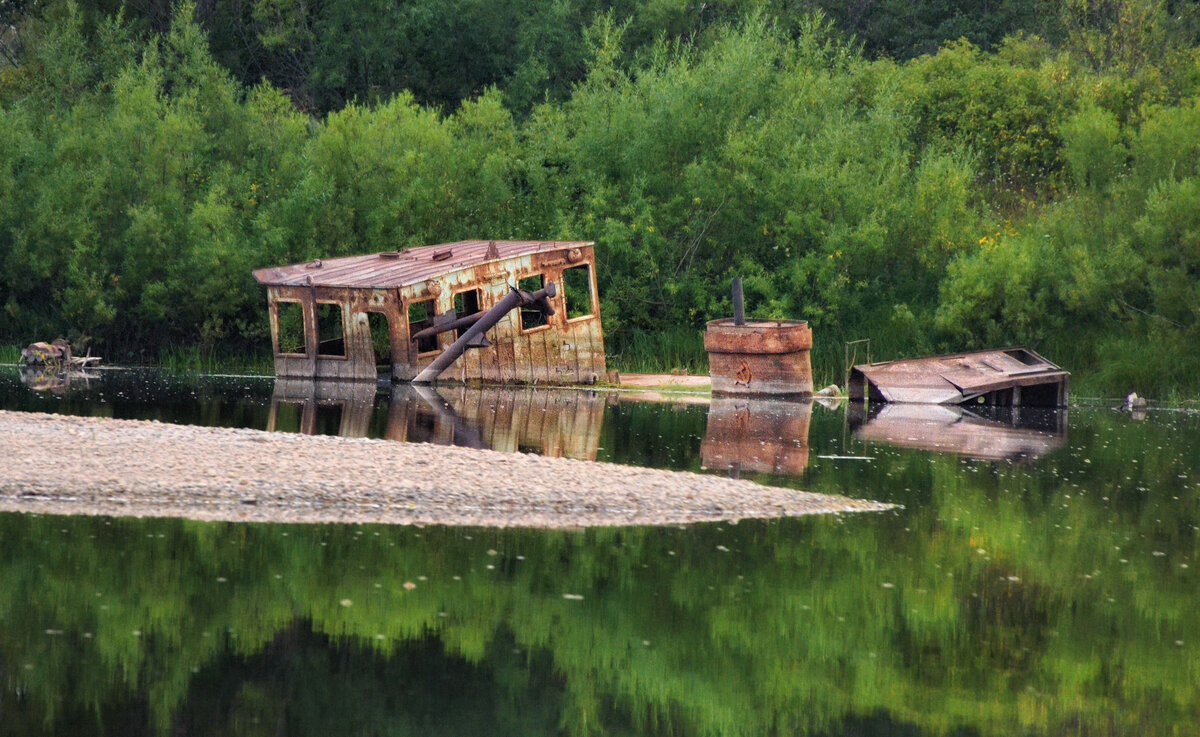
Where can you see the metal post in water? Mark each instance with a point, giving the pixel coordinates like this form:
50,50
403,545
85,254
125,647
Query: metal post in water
739,306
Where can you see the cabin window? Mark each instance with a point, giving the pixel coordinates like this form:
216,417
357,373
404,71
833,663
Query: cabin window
331,330
290,318
577,291
465,303
531,316
420,316
381,338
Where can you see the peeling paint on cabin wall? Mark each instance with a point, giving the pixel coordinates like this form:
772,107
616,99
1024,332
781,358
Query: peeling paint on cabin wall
564,351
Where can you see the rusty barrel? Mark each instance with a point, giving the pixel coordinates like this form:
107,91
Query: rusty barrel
767,357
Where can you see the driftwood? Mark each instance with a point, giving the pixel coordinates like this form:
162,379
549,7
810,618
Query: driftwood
55,355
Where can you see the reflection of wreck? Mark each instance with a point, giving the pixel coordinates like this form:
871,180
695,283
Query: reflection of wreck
322,407
548,422
43,379
1008,378
995,434
417,312
756,435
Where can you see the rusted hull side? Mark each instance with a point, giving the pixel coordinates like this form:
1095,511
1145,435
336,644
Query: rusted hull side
358,363
760,357
563,351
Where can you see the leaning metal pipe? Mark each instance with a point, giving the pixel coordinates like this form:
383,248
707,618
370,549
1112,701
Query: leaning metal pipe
456,324
511,301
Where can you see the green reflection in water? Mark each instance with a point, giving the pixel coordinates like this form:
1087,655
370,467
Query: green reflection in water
1052,597
1057,597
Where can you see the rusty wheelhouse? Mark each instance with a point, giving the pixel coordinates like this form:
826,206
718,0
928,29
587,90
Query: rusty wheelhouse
343,318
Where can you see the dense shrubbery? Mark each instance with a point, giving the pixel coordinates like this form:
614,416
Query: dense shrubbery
1039,192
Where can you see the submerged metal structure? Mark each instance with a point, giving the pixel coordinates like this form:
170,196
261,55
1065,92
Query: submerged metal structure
1009,377
492,311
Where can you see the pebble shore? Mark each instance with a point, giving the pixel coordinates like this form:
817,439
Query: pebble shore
59,464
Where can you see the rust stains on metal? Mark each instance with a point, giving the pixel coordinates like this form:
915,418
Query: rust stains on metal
341,318
1007,377
769,357
411,266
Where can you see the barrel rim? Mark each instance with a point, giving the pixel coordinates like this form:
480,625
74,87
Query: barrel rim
755,323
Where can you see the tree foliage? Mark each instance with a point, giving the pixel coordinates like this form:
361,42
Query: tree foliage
987,192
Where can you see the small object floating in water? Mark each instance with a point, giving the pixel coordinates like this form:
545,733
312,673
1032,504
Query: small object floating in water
1133,401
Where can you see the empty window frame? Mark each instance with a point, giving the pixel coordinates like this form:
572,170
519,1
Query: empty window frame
577,291
331,330
420,316
531,316
465,303
381,338
289,316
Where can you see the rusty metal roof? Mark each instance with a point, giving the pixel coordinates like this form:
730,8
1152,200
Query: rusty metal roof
393,269
961,376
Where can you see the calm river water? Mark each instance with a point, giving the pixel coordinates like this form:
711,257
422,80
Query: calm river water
1040,579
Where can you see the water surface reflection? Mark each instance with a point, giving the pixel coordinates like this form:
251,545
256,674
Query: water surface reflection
1057,595
986,433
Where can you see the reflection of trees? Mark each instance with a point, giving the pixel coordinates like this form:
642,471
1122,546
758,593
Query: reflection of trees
1003,608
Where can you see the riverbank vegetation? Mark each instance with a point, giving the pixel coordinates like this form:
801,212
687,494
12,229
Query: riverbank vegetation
933,177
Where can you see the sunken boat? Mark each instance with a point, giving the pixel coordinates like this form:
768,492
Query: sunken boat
488,311
1009,377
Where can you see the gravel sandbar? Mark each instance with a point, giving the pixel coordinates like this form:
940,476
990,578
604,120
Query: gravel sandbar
59,464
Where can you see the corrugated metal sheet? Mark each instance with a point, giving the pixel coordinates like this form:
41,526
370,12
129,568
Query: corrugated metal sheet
394,269
962,377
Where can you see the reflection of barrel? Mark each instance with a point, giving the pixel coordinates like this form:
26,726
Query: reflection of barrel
759,357
318,407
756,435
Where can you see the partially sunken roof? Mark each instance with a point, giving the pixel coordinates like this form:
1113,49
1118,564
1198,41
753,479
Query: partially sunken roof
960,377
393,269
